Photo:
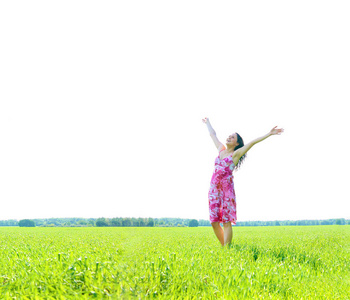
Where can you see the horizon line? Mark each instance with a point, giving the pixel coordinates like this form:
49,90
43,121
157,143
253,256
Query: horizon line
167,218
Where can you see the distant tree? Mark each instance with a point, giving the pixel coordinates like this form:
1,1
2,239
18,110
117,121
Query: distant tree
204,223
115,222
101,222
26,223
38,222
53,221
150,222
193,223
340,222
134,222
91,222
126,222
82,222
9,223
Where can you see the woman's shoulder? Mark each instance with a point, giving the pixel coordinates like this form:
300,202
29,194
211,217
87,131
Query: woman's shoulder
220,149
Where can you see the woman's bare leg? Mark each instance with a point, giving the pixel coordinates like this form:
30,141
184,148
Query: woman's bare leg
227,233
218,232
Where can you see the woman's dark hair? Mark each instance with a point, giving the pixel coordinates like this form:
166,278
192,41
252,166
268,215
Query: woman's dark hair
240,145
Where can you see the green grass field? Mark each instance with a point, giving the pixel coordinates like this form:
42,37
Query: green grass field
175,263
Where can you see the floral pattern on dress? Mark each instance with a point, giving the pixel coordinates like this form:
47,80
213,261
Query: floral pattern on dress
222,197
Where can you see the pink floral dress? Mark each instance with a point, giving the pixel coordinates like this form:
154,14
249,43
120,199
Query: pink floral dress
222,197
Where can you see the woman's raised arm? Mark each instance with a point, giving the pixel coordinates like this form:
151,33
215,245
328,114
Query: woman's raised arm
241,151
212,133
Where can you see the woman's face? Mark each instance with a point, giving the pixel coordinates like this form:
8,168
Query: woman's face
232,140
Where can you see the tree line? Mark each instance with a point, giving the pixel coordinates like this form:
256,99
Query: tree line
156,222
105,222
341,221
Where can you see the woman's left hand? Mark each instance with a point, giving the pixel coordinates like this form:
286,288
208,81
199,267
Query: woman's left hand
276,130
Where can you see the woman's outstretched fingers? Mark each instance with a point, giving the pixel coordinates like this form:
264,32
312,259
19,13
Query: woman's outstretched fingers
276,130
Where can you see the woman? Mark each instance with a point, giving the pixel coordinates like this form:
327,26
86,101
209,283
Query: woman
222,198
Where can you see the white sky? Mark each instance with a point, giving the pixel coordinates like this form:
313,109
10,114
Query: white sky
102,105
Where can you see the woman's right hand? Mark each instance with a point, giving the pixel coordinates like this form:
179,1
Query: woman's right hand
205,120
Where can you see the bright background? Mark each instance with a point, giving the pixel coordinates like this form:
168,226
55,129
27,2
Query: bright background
101,107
